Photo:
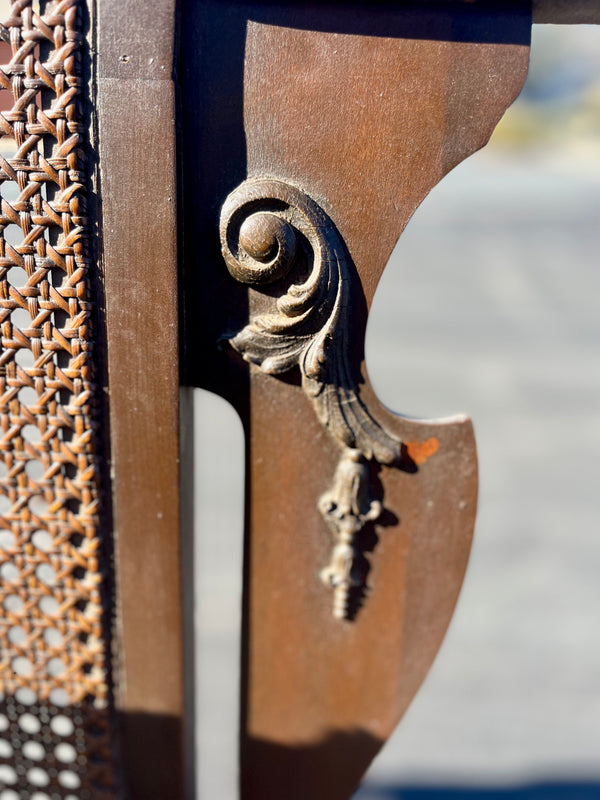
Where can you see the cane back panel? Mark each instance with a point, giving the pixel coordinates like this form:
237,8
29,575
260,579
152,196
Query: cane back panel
54,689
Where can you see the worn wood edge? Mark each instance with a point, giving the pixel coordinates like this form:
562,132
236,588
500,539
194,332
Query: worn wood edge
566,12
136,40
142,358
138,253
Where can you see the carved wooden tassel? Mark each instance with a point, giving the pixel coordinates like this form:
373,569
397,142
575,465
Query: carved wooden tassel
346,508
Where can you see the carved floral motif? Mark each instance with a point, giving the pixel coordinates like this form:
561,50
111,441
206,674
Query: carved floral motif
268,230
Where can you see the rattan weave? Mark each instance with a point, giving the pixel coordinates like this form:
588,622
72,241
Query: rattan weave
53,642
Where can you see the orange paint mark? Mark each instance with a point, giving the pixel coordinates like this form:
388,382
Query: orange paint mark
419,452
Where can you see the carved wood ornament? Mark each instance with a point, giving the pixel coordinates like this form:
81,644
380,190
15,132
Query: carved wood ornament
338,121
270,229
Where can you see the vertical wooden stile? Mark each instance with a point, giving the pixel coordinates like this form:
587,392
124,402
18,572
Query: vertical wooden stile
137,220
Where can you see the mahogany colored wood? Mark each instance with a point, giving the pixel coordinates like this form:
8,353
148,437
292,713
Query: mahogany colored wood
364,112
137,219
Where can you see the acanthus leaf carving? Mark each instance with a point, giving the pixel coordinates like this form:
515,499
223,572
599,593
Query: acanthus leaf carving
269,229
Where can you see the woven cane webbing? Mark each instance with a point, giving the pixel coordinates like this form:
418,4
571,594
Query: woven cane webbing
54,709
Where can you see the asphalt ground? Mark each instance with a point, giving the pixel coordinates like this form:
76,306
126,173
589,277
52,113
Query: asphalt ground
489,306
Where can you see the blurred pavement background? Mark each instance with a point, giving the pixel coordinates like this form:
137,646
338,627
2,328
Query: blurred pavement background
489,306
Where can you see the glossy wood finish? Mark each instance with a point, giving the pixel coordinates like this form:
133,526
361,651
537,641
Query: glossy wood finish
365,112
137,218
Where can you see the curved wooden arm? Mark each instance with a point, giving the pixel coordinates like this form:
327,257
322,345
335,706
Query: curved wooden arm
320,131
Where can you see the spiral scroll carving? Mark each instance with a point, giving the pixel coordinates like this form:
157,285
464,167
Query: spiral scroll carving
266,228
270,230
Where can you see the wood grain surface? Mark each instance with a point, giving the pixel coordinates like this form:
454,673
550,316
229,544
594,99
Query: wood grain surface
136,147
365,113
